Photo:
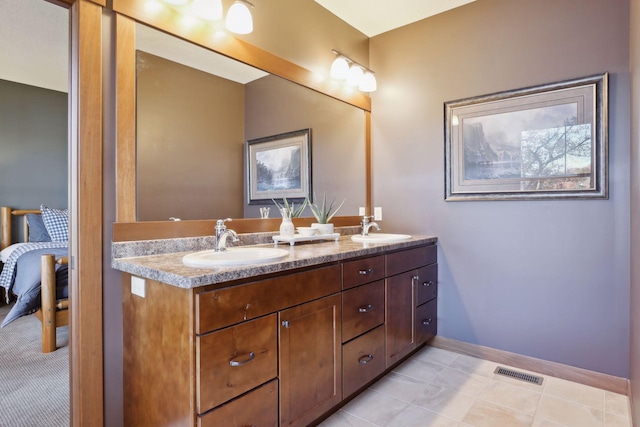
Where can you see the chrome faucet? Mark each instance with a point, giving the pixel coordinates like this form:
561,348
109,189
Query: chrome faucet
365,225
222,232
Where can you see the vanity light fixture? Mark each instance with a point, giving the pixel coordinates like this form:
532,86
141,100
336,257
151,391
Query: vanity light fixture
239,18
354,73
339,68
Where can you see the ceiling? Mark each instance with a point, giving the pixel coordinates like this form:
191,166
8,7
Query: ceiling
34,43
39,56
373,17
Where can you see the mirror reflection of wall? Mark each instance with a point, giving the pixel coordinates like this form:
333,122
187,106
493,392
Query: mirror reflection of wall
192,126
189,142
274,106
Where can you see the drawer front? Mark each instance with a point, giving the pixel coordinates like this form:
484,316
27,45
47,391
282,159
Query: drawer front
427,284
426,321
227,306
362,309
362,271
232,361
363,359
410,259
258,408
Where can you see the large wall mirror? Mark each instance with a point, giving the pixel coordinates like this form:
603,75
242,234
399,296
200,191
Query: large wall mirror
183,122
195,110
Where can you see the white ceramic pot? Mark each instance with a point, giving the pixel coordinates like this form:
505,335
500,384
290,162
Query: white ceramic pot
323,228
287,228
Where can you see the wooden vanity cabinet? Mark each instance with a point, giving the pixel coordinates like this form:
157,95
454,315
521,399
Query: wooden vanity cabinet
281,350
426,304
363,302
310,361
406,294
195,356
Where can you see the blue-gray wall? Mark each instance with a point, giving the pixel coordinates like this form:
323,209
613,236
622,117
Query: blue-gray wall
547,279
33,146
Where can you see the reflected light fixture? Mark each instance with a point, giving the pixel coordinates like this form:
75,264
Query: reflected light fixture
355,74
239,18
208,9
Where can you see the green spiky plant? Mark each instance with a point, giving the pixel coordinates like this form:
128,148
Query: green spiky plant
324,212
290,208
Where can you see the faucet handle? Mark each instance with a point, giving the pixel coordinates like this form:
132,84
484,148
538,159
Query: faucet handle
366,218
220,223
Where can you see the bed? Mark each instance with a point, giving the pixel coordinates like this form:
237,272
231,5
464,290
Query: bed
35,270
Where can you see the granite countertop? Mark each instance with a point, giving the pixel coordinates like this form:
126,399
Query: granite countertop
168,267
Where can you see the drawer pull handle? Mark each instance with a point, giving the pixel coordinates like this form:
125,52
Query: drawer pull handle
233,362
285,323
427,322
365,272
365,359
427,284
365,308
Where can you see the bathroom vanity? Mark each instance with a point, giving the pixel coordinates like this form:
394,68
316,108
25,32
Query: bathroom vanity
279,344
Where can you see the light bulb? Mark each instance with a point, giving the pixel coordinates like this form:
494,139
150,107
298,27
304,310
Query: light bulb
176,2
239,19
339,68
208,9
368,83
355,75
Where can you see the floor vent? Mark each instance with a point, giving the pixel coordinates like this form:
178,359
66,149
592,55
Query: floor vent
518,375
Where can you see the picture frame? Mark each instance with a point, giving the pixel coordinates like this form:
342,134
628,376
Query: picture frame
279,166
541,142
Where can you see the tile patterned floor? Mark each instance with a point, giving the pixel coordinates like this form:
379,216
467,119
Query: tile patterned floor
438,388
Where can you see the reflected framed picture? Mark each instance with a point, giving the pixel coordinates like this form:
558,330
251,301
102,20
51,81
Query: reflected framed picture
279,166
540,142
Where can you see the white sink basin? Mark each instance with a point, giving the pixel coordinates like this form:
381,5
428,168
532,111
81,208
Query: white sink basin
234,257
380,238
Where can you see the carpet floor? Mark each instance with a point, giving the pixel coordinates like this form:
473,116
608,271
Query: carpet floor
34,387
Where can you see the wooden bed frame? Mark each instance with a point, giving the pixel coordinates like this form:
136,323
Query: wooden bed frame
53,313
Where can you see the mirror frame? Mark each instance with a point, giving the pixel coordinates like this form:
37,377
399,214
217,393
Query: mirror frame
128,12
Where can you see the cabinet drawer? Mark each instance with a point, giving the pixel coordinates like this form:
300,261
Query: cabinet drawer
426,321
427,284
362,309
223,307
410,259
258,408
362,271
363,360
232,361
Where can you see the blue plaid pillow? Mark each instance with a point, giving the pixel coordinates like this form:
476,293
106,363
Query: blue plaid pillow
37,230
56,222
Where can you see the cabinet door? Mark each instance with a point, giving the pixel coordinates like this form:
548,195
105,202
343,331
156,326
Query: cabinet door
363,360
361,271
259,408
362,309
310,360
427,286
426,321
234,360
400,332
